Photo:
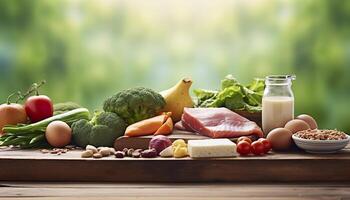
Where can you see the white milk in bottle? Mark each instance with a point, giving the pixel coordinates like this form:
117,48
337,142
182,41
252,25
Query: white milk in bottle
277,102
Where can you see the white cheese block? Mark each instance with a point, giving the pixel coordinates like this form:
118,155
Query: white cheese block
211,148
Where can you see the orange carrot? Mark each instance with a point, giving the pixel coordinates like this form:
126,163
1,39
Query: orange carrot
166,128
167,114
146,127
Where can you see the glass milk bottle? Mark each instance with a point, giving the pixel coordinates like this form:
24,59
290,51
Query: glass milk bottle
277,102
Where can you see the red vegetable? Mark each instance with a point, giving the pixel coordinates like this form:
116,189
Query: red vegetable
243,148
38,108
159,143
258,148
11,114
266,143
244,138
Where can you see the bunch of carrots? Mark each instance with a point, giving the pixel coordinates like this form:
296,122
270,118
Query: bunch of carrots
158,125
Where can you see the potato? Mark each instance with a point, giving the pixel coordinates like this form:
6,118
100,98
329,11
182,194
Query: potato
58,134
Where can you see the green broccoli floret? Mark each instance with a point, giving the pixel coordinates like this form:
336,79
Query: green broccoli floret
102,130
81,132
135,104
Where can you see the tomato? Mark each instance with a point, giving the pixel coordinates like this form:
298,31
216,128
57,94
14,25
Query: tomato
38,108
243,148
266,143
258,148
244,138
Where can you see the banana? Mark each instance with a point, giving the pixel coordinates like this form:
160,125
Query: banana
177,98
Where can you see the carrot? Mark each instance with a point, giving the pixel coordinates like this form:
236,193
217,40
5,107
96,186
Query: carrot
168,114
146,127
166,128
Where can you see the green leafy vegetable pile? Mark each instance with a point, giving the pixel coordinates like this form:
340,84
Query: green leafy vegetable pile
233,95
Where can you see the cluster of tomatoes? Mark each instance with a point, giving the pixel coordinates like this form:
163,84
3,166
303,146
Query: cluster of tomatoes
245,146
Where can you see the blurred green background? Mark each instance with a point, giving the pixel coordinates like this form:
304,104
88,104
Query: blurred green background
90,49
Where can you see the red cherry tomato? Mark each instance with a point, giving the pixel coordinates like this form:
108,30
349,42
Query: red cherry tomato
38,108
244,138
243,148
266,143
258,148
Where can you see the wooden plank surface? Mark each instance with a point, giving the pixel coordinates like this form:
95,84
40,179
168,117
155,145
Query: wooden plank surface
173,191
143,141
22,165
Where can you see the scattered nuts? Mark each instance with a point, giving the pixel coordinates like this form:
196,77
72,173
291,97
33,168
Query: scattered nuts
92,148
139,150
136,154
64,150
119,154
45,151
99,148
70,147
87,154
105,152
129,153
53,152
112,150
57,151
99,152
125,150
97,155
149,153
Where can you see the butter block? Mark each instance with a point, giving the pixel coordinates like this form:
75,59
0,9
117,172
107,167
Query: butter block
211,148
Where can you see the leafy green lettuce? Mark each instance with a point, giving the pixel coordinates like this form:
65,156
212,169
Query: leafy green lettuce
233,95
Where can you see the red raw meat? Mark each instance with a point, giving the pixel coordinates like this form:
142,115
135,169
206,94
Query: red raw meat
180,125
219,123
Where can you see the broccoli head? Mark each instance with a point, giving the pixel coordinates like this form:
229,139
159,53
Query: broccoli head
135,104
102,130
81,130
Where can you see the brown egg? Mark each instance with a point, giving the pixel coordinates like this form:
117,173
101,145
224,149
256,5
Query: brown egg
280,139
296,125
309,120
58,134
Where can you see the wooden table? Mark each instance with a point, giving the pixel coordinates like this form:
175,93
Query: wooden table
32,165
207,191
294,175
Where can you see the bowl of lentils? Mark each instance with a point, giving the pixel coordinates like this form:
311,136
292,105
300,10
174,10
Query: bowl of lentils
321,141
